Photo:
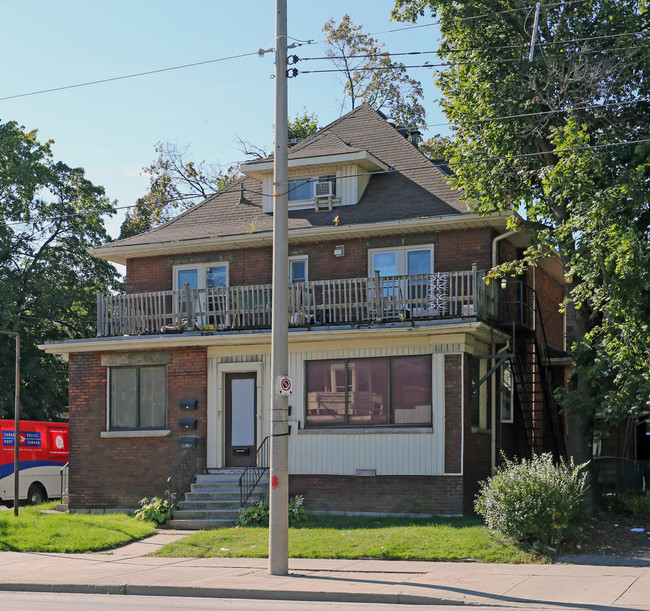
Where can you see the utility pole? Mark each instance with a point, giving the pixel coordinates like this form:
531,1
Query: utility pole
17,419
279,493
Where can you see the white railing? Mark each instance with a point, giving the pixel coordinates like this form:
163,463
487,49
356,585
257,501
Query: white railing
321,302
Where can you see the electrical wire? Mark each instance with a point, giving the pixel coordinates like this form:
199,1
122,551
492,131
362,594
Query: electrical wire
126,76
237,187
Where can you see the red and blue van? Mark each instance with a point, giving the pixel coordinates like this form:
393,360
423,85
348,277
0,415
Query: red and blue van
42,452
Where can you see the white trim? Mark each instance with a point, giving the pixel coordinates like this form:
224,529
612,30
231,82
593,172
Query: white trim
401,259
138,433
216,406
304,258
263,338
257,169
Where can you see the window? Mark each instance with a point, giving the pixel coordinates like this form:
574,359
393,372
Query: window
506,393
388,391
298,269
480,404
137,397
303,188
201,276
401,261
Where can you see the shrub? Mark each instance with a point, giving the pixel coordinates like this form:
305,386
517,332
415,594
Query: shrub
534,501
258,514
154,510
630,504
297,512
253,515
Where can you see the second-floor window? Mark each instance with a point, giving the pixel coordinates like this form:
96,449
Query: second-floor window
201,276
298,269
305,188
401,261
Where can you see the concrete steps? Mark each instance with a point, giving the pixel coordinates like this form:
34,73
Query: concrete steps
213,501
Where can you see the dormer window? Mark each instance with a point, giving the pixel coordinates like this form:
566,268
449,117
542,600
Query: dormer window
305,188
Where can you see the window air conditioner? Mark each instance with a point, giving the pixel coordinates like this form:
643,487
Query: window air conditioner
323,189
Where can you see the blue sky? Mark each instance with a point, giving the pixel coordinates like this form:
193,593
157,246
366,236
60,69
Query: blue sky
110,129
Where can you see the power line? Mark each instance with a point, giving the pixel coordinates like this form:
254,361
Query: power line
391,170
542,112
126,76
472,49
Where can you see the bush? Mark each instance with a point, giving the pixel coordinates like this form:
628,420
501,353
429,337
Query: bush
253,515
258,514
154,510
534,501
630,504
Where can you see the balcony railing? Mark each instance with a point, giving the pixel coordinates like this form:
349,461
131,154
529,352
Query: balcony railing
321,302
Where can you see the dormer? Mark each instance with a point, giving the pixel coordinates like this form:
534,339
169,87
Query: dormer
324,173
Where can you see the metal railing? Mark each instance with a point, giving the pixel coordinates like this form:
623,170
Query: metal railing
181,478
254,472
65,478
319,302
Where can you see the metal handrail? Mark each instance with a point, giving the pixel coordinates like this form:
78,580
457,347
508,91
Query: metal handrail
181,478
254,472
64,474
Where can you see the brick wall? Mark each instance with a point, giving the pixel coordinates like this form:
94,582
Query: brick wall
477,460
428,495
453,413
117,473
148,274
455,251
550,294
458,250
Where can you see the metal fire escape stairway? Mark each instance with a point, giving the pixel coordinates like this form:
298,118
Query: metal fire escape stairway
532,376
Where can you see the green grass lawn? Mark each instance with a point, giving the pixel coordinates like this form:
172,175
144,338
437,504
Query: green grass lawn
350,537
35,531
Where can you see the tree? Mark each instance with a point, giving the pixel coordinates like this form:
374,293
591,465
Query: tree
176,182
547,138
370,75
50,215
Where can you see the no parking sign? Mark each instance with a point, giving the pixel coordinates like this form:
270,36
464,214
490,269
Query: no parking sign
285,385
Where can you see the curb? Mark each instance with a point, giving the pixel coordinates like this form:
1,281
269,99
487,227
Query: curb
238,593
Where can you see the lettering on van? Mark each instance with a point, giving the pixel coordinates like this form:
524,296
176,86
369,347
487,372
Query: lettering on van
30,439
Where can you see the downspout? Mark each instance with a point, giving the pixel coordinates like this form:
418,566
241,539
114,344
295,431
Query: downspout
493,423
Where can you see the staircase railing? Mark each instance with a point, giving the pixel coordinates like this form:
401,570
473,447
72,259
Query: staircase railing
531,359
181,478
65,474
254,472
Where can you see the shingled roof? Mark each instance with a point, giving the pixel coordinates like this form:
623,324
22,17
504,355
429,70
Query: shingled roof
413,188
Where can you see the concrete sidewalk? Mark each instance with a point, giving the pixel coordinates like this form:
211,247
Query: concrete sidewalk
126,571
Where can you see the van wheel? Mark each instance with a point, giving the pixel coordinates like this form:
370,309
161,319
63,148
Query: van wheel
36,495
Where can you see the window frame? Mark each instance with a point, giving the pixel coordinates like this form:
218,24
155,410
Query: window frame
293,259
110,406
312,178
390,414
201,273
401,259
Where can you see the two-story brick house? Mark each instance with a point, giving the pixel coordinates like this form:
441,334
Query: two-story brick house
411,373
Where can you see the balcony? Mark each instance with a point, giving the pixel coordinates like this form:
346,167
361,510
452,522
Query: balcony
350,301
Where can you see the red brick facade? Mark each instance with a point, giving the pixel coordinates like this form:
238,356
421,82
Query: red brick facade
455,251
404,494
118,472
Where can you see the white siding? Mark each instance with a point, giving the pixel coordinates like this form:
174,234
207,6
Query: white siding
390,451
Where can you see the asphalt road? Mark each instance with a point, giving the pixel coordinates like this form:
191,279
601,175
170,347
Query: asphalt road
33,601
